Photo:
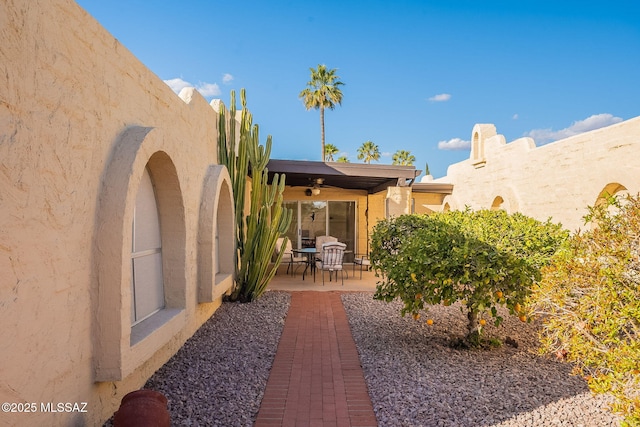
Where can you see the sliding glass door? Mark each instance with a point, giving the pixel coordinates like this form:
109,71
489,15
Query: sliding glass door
312,223
320,218
342,223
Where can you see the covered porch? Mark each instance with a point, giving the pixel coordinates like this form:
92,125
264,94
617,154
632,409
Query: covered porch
344,200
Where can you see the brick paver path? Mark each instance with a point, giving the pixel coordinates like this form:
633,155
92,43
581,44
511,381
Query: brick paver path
316,378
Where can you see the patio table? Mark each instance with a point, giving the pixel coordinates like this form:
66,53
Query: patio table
310,253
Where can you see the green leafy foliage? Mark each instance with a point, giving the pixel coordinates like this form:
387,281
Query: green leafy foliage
590,299
257,233
484,259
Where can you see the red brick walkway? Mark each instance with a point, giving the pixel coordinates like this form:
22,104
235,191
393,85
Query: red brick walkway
316,378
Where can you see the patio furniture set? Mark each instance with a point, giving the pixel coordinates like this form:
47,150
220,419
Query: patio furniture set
327,255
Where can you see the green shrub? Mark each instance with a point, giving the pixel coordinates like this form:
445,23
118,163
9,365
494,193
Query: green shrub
590,299
483,259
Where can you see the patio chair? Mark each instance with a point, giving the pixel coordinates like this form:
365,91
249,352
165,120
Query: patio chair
289,257
320,241
363,261
332,255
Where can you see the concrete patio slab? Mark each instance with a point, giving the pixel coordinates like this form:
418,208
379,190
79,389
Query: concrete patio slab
352,282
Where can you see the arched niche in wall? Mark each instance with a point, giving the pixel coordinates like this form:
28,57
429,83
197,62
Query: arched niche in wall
216,235
611,189
120,345
498,204
506,200
479,134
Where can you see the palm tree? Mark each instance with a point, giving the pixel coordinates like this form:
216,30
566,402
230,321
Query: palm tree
404,158
368,151
323,91
329,151
342,159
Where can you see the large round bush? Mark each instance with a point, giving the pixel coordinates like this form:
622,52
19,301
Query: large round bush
483,259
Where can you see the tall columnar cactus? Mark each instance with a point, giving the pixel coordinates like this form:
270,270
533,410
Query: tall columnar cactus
267,220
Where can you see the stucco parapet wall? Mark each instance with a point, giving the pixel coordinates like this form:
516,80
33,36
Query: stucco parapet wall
496,147
556,180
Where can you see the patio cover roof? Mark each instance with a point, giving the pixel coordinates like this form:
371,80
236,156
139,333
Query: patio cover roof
353,176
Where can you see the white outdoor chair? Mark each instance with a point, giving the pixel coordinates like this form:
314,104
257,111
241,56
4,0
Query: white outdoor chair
332,255
321,240
363,261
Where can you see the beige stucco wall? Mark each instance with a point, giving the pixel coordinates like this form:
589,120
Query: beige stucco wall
557,180
80,118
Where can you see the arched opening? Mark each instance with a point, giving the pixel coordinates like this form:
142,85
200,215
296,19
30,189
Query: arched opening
613,189
498,203
224,234
216,235
163,270
609,190
475,143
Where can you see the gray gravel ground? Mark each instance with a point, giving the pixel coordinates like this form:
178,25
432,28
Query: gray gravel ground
416,379
219,376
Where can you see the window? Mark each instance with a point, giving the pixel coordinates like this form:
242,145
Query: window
147,286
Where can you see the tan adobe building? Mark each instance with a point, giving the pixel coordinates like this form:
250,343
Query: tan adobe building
116,219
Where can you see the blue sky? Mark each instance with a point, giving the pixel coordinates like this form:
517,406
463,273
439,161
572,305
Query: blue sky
418,74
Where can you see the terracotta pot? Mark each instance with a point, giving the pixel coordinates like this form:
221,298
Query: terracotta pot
143,408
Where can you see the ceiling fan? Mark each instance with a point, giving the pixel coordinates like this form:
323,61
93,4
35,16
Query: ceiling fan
315,185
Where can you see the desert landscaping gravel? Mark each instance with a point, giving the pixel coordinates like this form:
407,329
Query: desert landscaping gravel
414,377
219,376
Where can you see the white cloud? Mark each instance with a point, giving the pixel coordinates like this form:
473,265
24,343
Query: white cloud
515,117
442,97
205,89
177,84
227,78
208,89
455,144
597,121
